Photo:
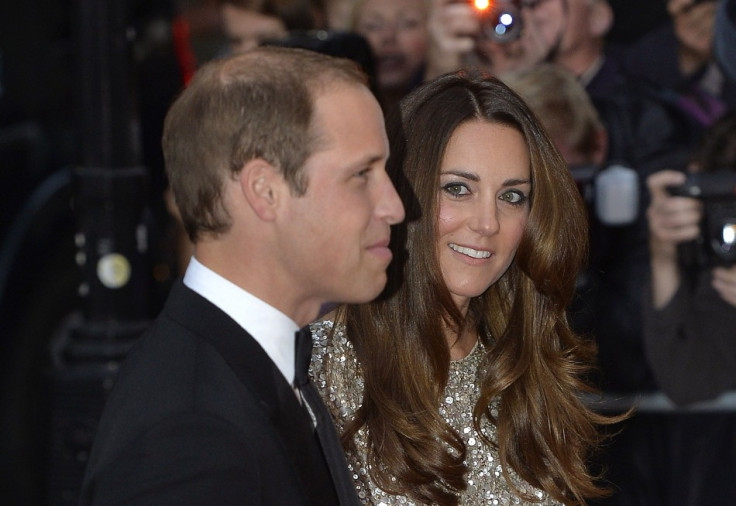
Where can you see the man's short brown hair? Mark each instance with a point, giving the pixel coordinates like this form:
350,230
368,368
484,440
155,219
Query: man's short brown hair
258,104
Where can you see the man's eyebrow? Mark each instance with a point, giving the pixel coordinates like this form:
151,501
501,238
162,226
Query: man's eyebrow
368,160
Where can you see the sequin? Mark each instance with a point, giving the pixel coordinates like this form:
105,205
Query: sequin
341,386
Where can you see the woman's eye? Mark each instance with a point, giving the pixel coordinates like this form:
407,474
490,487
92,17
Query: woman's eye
514,197
371,25
409,23
456,189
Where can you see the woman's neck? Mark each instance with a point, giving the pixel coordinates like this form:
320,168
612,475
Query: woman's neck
461,348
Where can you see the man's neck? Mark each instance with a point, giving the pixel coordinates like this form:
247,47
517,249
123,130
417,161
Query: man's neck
262,281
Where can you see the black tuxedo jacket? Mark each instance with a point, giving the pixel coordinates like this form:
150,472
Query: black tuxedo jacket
201,415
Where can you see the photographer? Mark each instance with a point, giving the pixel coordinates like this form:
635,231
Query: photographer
461,35
690,315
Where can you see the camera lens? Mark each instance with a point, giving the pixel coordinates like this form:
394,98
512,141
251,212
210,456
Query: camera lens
723,239
501,20
728,238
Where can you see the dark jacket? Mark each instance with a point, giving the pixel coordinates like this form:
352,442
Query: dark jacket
200,415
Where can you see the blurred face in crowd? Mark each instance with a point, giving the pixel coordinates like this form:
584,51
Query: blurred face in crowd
549,19
247,29
577,27
587,23
397,33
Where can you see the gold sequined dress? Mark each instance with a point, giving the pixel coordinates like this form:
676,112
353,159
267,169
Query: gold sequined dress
336,373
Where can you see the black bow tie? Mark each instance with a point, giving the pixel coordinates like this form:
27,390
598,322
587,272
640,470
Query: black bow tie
302,356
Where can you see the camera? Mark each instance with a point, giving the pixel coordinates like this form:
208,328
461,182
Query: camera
613,192
717,242
500,19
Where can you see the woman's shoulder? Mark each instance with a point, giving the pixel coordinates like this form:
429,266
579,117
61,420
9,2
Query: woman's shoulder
328,336
335,370
332,351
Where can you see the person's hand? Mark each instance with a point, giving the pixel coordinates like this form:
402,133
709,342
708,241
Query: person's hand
672,220
453,29
694,30
724,282
456,39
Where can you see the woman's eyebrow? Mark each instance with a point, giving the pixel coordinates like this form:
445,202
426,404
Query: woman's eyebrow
466,175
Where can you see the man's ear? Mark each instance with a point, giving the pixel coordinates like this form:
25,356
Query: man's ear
261,185
601,18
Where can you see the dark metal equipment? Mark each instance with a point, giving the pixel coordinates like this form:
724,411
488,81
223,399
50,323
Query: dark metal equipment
109,200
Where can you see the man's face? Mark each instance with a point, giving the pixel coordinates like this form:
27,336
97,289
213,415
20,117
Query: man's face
546,20
334,238
577,32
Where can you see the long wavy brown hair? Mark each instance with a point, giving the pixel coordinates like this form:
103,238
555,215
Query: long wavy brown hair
533,361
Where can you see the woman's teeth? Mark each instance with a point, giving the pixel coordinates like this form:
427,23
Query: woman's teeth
470,251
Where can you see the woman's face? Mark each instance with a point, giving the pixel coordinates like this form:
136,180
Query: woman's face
397,33
485,185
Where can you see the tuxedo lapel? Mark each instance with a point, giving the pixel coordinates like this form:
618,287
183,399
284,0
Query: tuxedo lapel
295,428
333,452
242,353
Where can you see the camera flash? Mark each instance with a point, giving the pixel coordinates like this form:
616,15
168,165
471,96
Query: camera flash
482,5
729,235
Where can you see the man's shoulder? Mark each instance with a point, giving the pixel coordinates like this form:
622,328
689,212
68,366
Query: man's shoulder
187,458
174,367
173,382
171,369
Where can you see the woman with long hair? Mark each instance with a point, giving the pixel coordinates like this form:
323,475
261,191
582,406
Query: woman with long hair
462,383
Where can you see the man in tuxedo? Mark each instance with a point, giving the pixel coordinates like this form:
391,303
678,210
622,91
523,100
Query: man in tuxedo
276,161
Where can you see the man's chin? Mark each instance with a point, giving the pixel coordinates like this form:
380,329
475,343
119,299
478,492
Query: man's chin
367,292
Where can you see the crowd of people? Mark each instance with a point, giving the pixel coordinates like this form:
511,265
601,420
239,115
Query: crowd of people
468,360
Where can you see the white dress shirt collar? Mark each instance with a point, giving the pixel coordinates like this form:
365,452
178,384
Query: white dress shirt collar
272,329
